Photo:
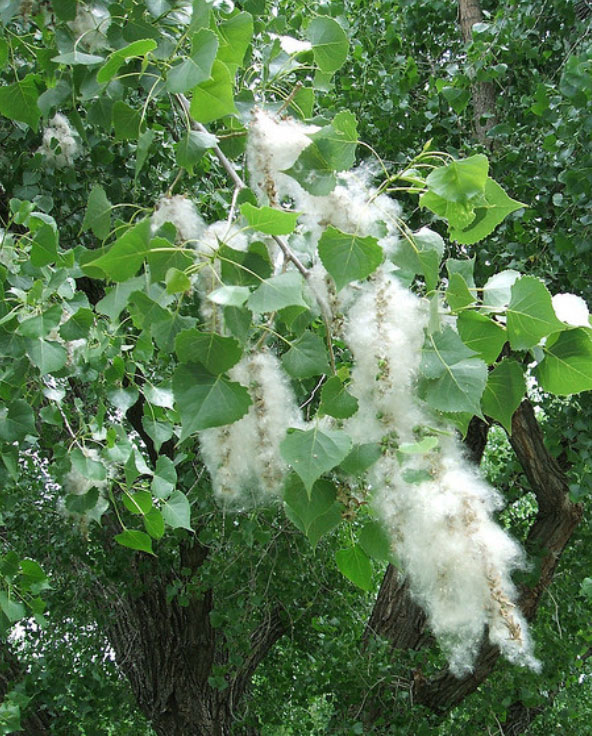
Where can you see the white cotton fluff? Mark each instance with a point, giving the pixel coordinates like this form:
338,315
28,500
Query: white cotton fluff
571,309
273,146
352,207
90,26
457,559
180,211
59,144
76,483
222,232
243,458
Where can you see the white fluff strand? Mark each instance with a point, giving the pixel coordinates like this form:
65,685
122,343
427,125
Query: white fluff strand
243,458
458,560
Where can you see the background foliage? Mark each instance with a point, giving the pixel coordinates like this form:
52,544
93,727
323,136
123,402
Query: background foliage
403,70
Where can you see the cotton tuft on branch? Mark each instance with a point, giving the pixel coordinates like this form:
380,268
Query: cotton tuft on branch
433,503
59,144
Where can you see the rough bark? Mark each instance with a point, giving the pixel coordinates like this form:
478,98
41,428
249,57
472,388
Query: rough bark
555,522
36,722
168,652
483,93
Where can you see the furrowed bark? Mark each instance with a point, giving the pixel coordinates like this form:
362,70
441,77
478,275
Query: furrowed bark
34,721
483,93
169,651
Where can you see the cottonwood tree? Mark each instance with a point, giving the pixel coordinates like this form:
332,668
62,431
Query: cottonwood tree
224,347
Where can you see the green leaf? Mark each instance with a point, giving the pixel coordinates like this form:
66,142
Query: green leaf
464,267
497,207
49,357
54,96
42,324
205,401
361,458
165,331
329,43
197,68
458,214
159,432
503,393
235,37
64,9
77,58
138,503
315,515
460,180
216,353
458,295
142,150
16,421
278,292
82,504
98,213
117,58
307,357
427,444
421,253
530,314
455,377
497,291
164,255
78,326
353,563
87,466
32,576
176,281
135,539
567,366
126,255
336,401
44,248
348,257
191,147
314,452
127,122
18,101
482,335
333,149
13,610
123,398
458,99
375,542
176,511
154,523
269,220
164,480
117,297
214,98
230,296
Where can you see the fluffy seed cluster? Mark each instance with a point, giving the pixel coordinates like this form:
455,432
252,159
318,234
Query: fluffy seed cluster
180,211
436,507
90,26
433,502
59,144
244,458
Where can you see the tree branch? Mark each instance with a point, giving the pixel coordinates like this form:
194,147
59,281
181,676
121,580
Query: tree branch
268,632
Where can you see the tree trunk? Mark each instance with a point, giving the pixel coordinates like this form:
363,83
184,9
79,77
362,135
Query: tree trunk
169,652
483,93
36,722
